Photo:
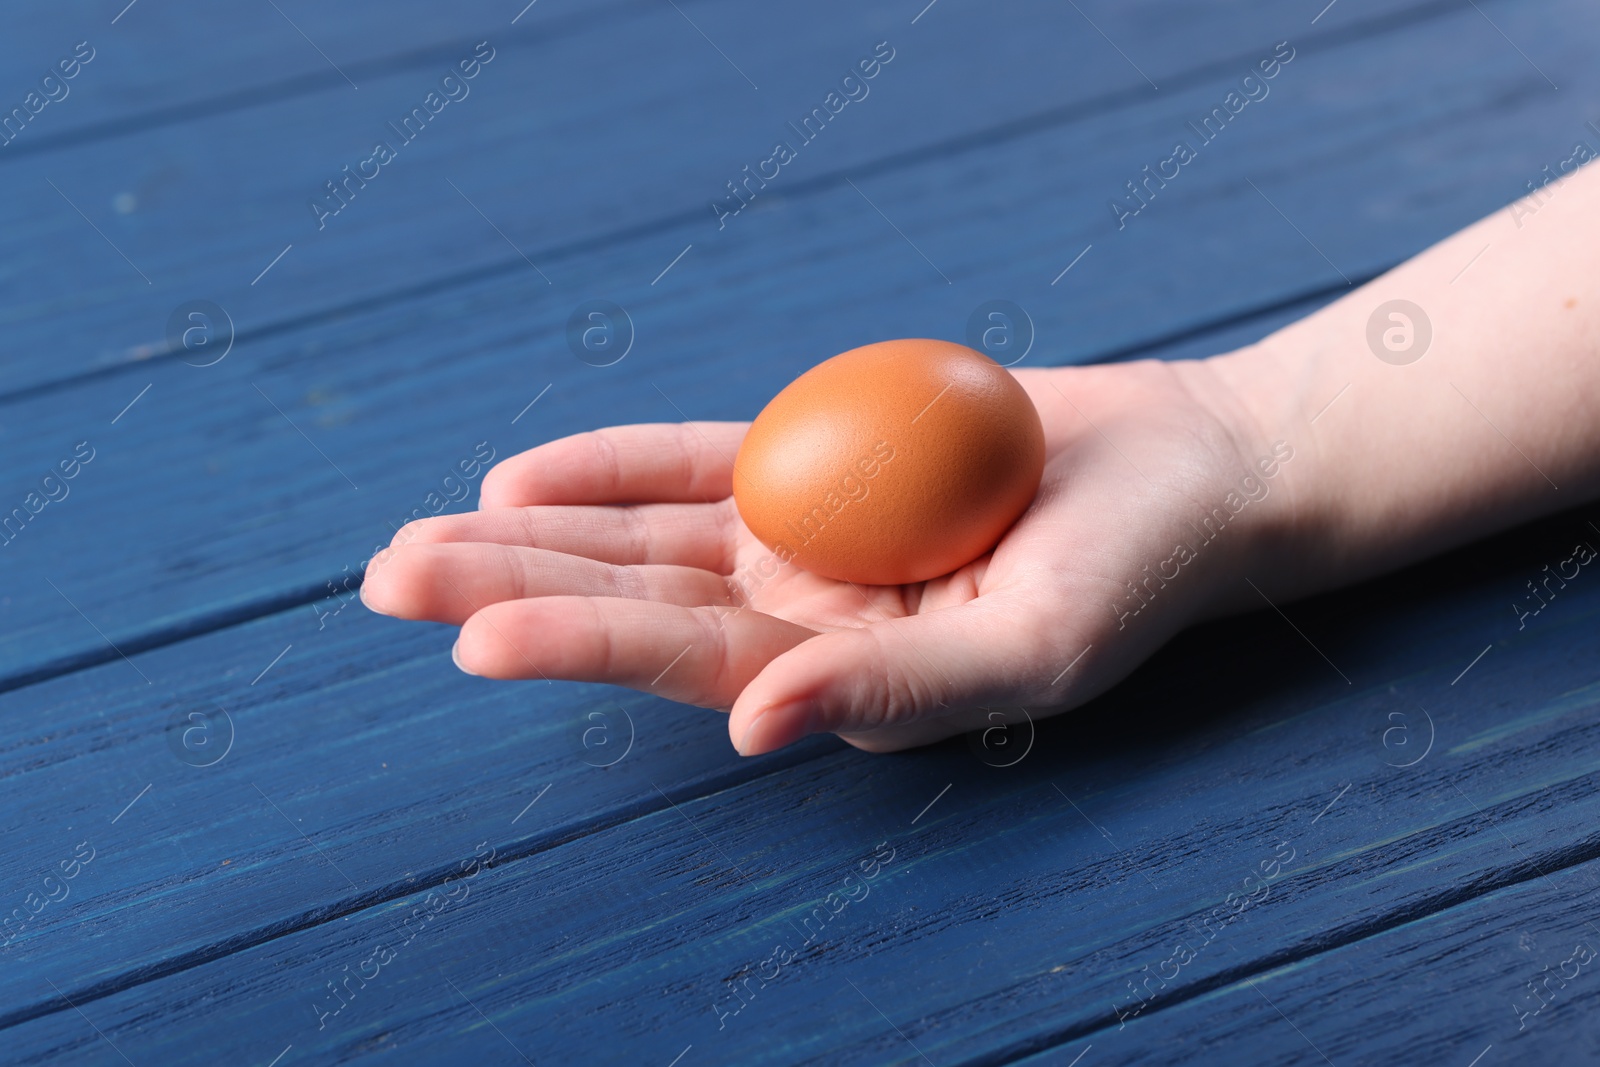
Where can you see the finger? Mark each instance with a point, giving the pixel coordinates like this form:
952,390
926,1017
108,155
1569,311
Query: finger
698,655
664,462
448,582
896,678
685,535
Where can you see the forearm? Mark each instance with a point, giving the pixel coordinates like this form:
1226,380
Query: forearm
1497,421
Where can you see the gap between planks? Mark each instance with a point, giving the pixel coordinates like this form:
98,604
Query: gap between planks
1427,907
1096,106
280,603
311,82
618,816
1522,871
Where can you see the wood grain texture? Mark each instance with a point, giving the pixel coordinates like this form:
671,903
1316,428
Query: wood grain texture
163,65
204,476
337,665
236,181
1018,904
350,760
238,185
1507,977
619,907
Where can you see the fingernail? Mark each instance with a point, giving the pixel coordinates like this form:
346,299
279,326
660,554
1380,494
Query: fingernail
742,745
455,657
777,727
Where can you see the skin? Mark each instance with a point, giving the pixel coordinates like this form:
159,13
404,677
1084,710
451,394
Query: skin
611,556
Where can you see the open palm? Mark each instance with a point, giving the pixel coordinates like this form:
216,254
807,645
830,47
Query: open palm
619,556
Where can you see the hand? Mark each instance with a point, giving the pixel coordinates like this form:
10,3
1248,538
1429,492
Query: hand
618,556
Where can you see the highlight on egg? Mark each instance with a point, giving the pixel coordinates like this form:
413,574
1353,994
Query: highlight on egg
890,463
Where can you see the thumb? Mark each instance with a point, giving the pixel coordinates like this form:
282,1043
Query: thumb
900,681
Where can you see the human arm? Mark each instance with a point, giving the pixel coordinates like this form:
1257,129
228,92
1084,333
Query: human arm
1172,493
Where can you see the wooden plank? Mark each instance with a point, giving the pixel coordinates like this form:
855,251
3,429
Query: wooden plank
1040,888
286,772
1506,977
428,1014
233,59
304,141
290,671
392,398
238,184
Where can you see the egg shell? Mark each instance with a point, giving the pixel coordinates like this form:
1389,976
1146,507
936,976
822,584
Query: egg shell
890,463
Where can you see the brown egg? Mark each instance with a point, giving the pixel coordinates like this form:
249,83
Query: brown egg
894,462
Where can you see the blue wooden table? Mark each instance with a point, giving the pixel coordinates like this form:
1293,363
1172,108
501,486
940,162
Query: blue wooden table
279,276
